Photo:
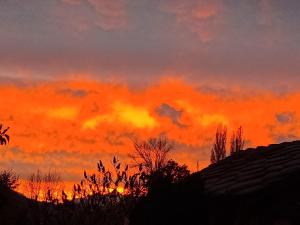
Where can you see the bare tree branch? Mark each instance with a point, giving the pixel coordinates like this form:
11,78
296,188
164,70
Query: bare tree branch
237,141
151,153
218,151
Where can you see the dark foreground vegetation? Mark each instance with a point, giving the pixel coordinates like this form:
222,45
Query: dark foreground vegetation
158,191
181,203
277,204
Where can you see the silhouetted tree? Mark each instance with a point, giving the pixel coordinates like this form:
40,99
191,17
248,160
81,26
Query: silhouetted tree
9,179
174,173
237,141
218,151
4,137
152,156
44,186
152,153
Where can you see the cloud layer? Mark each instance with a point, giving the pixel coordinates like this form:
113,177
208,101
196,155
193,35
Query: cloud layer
224,41
80,78
69,125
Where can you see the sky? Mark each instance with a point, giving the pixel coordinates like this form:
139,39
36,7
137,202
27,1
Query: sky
80,78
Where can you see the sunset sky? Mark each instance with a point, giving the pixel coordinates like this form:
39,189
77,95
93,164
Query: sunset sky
80,78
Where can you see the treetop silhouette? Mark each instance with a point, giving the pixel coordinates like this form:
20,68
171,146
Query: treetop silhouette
152,153
4,137
218,151
237,141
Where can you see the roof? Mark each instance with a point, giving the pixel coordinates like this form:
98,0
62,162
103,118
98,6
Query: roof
252,169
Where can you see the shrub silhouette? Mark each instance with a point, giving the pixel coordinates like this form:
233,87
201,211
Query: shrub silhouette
171,173
108,195
176,203
105,182
9,179
118,190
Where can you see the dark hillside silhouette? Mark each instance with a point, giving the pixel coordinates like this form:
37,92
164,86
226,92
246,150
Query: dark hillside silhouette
13,207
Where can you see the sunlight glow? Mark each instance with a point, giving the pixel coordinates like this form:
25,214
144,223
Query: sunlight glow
137,116
124,113
211,119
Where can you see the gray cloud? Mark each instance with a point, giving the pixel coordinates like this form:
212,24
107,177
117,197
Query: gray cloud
197,151
245,42
286,117
285,138
74,93
170,112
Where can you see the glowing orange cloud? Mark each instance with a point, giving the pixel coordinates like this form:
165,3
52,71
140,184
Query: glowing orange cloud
123,113
67,113
70,125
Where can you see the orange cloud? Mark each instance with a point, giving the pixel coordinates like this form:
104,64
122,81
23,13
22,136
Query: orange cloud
202,118
123,113
68,113
70,125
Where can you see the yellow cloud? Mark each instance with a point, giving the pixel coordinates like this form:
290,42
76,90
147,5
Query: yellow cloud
137,116
67,113
92,123
209,119
186,106
123,113
203,118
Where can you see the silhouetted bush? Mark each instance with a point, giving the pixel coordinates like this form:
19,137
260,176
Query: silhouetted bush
105,181
174,204
171,173
108,195
9,179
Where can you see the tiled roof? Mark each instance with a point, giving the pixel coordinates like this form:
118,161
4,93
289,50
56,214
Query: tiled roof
252,169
